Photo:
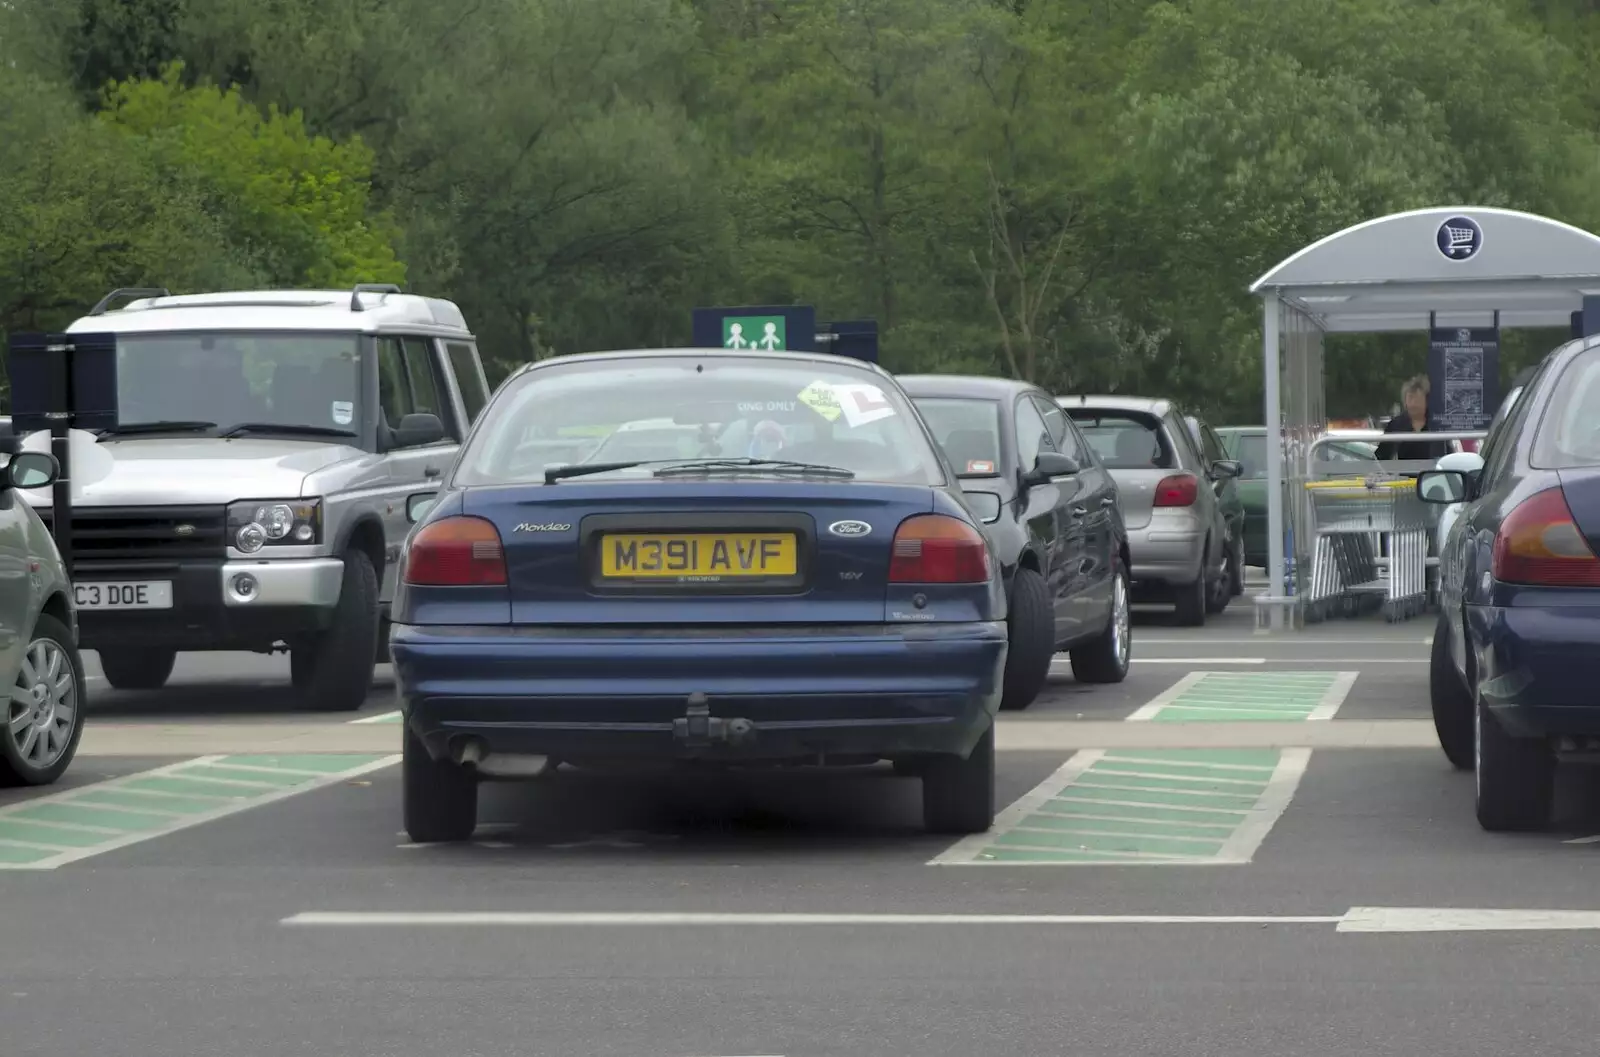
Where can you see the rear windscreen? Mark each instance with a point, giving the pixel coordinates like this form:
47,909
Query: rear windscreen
967,430
1124,440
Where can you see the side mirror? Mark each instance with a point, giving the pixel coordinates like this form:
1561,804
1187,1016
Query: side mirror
418,505
1227,468
985,504
416,430
1049,465
1442,487
1467,462
31,469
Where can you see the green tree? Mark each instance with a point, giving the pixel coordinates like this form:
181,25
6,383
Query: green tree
296,204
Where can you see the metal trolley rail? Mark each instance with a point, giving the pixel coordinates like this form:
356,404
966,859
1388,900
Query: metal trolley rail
1350,518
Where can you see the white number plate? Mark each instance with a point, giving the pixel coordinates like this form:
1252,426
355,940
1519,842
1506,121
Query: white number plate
130,594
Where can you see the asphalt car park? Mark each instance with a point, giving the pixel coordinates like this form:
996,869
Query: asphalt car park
268,900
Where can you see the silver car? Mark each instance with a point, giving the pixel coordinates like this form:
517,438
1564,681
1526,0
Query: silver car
38,635
1177,535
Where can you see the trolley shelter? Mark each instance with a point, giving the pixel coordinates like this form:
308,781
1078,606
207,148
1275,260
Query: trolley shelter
1458,274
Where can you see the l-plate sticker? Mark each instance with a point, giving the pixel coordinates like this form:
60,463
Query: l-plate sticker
862,404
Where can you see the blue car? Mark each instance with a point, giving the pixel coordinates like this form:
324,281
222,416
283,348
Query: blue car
794,577
1515,662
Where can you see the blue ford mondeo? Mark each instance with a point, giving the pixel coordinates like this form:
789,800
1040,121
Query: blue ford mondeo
698,556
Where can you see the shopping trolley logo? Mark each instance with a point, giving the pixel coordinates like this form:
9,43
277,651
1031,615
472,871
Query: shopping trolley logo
1460,238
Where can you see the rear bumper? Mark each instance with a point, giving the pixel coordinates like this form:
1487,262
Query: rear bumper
1538,668
1165,552
875,691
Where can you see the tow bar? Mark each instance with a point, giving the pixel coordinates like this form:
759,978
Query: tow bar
699,729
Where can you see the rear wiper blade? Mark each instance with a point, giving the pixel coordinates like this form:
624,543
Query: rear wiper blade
715,466
169,426
583,469
277,427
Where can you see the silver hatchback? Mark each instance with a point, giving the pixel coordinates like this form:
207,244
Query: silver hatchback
39,658
1177,535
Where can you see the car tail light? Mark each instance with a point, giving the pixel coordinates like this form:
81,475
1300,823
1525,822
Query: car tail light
1179,489
938,549
1539,543
456,552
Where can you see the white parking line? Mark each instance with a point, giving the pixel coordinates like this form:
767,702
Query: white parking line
384,717
1354,920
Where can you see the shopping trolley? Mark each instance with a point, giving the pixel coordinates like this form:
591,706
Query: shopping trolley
1351,518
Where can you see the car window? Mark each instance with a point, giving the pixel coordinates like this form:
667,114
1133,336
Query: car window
233,377
1055,423
1252,453
1124,440
1568,434
1210,446
1183,436
469,378
967,430
394,391
716,407
1033,435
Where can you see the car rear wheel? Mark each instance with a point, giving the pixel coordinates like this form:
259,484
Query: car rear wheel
44,717
137,669
1515,777
1105,660
1451,700
332,671
1236,569
1031,629
439,798
958,793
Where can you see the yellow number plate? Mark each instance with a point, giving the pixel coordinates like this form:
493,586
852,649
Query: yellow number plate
709,556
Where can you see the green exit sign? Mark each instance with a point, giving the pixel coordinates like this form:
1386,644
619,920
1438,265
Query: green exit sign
758,333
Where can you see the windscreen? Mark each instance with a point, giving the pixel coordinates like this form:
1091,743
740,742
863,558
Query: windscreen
279,378
1124,440
1252,455
683,407
1569,433
967,430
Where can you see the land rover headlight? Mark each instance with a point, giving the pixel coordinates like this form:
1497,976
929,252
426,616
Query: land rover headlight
257,523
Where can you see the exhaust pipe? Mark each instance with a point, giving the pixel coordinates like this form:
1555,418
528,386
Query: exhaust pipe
473,753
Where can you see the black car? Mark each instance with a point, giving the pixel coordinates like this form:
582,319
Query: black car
1053,519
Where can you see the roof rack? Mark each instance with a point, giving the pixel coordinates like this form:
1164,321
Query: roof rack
134,292
370,288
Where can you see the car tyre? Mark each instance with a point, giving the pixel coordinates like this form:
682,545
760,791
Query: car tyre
1031,631
1105,660
334,671
439,799
957,792
1515,777
1452,702
137,669
50,638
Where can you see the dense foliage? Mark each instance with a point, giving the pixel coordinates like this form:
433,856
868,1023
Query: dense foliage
1075,191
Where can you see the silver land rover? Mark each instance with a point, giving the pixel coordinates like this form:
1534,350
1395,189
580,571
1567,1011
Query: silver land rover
253,494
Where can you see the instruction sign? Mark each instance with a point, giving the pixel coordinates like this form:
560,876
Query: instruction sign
1463,377
771,328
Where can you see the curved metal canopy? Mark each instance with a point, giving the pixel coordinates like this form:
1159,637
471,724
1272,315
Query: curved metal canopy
1461,262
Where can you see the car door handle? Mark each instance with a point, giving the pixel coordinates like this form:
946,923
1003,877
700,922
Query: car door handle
1108,501
430,471
1078,511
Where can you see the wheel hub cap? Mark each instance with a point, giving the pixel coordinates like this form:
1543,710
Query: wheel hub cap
41,713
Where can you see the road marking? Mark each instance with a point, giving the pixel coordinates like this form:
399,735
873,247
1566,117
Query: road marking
1583,840
1310,642
1355,920
654,920
1237,696
1447,919
50,831
384,717
1135,807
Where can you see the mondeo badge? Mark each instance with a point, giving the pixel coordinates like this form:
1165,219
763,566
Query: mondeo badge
850,528
548,526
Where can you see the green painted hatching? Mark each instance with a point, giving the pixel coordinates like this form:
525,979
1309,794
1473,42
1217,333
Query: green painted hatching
1238,697
1142,805
110,812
